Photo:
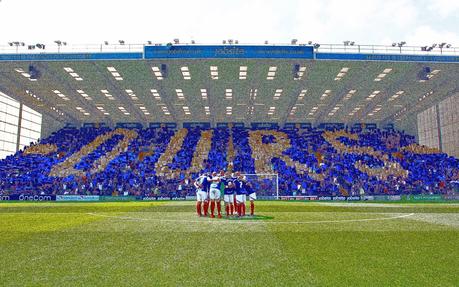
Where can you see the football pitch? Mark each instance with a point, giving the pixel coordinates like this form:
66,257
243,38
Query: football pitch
288,244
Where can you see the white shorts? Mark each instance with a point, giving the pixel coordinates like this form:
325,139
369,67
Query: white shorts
252,196
214,194
229,198
240,198
201,195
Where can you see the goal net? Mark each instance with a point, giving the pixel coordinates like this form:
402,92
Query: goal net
265,185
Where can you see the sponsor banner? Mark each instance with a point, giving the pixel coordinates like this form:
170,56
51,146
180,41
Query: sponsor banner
149,198
202,125
21,197
353,198
117,198
450,196
387,197
267,197
369,197
386,57
298,197
77,198
380,197
155,198
433,197
228,51
71,56
338,198
163,198
265,125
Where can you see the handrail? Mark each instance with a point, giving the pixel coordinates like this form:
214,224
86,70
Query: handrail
136,47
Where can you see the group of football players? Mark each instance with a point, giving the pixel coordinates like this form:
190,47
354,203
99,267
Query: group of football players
211,186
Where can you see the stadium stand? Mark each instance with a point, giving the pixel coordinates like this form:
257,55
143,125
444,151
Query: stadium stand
155,161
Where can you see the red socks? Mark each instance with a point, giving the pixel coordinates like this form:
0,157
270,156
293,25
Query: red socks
206,207
198,208
212,208
230,208
219,207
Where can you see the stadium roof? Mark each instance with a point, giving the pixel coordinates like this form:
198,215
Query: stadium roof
327,87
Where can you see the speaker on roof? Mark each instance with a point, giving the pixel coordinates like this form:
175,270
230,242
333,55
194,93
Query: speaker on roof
296,70
164,70
423,74
34,72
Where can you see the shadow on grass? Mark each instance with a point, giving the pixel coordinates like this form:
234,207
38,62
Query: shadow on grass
251,218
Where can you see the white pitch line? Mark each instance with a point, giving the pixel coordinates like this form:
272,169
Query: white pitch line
251,221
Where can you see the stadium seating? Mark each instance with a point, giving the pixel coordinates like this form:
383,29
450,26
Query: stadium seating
154,161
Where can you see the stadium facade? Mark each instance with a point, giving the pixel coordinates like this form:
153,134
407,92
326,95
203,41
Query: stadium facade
232,87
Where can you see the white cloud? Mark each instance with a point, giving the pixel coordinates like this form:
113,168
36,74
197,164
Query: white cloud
206,21
444,8
366,22
425,35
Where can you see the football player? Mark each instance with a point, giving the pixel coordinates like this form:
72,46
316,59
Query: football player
201,194
206,188
241,192
214,195
229,194
234,177
252,197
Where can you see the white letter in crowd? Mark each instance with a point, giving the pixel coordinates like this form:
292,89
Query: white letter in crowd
67,167
389,168
200,154
263,153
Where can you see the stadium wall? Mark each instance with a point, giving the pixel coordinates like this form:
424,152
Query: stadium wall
19,125
438,126
449,125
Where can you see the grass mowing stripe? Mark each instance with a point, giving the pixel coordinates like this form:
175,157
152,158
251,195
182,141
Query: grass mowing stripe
343,258
401,252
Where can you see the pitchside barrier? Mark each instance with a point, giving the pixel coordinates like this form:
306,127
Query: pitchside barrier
97,198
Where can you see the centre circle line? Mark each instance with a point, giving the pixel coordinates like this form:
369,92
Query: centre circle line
250,221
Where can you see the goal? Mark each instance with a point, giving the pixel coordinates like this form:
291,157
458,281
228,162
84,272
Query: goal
265,185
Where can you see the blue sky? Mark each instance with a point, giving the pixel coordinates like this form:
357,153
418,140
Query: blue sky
418,22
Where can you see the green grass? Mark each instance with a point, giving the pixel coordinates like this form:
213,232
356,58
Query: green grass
164,243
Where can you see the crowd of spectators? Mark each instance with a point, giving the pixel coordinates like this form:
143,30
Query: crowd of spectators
164,162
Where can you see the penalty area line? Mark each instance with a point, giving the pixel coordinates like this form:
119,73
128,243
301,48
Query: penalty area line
250,221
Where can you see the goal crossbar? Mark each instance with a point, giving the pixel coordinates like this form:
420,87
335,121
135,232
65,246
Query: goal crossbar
273,175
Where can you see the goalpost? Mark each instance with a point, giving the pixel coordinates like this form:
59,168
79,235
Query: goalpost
266,185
